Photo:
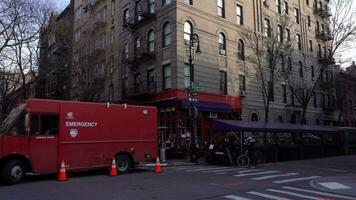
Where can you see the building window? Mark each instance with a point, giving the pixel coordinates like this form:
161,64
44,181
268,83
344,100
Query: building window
267,28
113,7
299,43
188,30
309,22
222,44
278,6
221,8
187,75
166,77
280,33
279,119
151,80
126,16
301,74
166,2
286,8
269,59
223,83
319,51
239,15
287,35
312,72
290,67
270,91
112,34
310,45
152,6
242,82
284,90
77,35
241,50
296,15
78,13
291,95
254,117
151,41
307,1
126,51
166,34
190,2
282,64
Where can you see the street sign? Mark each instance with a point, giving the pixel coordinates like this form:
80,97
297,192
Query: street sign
196,86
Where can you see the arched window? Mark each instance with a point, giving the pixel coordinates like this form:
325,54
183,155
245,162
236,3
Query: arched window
222,44
241,50
188,30
254,117
290,68
301,74
166,34
279,119
151,41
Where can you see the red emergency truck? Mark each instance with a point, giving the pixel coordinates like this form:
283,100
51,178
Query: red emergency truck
38,135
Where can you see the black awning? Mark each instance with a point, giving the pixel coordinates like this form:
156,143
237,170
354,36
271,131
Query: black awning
207,106
233,125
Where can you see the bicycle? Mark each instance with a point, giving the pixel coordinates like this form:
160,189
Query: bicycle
244,160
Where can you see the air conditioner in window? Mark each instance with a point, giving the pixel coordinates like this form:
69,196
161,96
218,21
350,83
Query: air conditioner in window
222,52
243,93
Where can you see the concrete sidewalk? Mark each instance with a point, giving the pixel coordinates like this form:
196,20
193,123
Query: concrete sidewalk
345,184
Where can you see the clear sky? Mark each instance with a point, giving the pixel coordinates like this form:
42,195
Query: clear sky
350,54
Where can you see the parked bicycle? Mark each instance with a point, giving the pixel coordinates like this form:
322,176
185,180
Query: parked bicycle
250,157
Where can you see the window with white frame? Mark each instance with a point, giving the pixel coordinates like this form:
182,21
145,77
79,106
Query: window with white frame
221,8
188,30
187,75
278,7
267,28
166,34
239,15
189,2
167,77
222,44
296,15
126,15
298,41
241,50
151,41
286,10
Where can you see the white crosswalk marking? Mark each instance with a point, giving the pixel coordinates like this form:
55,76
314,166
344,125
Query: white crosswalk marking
221,170
321,193
297,179
293,194
249,170
234,197
206,168
274,176
256,173
268,196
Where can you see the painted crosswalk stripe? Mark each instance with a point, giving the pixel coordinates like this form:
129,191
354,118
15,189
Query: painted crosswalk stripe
274,176
204,169
321,193
268,196
234,197
296,179
294,194
222,170
249,170
256,173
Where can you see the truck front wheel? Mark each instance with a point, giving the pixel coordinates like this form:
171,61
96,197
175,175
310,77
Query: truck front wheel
13,172
123,163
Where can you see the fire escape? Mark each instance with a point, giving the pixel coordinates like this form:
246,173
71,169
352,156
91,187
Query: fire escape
95,41
144,14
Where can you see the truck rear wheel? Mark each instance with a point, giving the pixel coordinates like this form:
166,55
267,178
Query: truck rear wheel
13,172
123,163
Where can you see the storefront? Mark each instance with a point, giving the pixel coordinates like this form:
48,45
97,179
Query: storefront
176,124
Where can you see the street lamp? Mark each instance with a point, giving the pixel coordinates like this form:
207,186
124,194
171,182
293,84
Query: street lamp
192,95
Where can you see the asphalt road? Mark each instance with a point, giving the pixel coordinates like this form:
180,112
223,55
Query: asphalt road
308,179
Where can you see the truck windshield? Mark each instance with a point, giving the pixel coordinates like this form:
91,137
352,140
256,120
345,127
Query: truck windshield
9,120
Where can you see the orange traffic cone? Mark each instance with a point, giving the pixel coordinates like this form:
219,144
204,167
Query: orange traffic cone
62,176
113,170
158,166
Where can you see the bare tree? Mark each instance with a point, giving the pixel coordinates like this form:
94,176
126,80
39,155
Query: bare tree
20,23
268,57
337,38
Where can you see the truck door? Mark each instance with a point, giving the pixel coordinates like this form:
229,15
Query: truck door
44,142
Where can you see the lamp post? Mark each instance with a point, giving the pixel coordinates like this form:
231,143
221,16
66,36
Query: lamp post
192,95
